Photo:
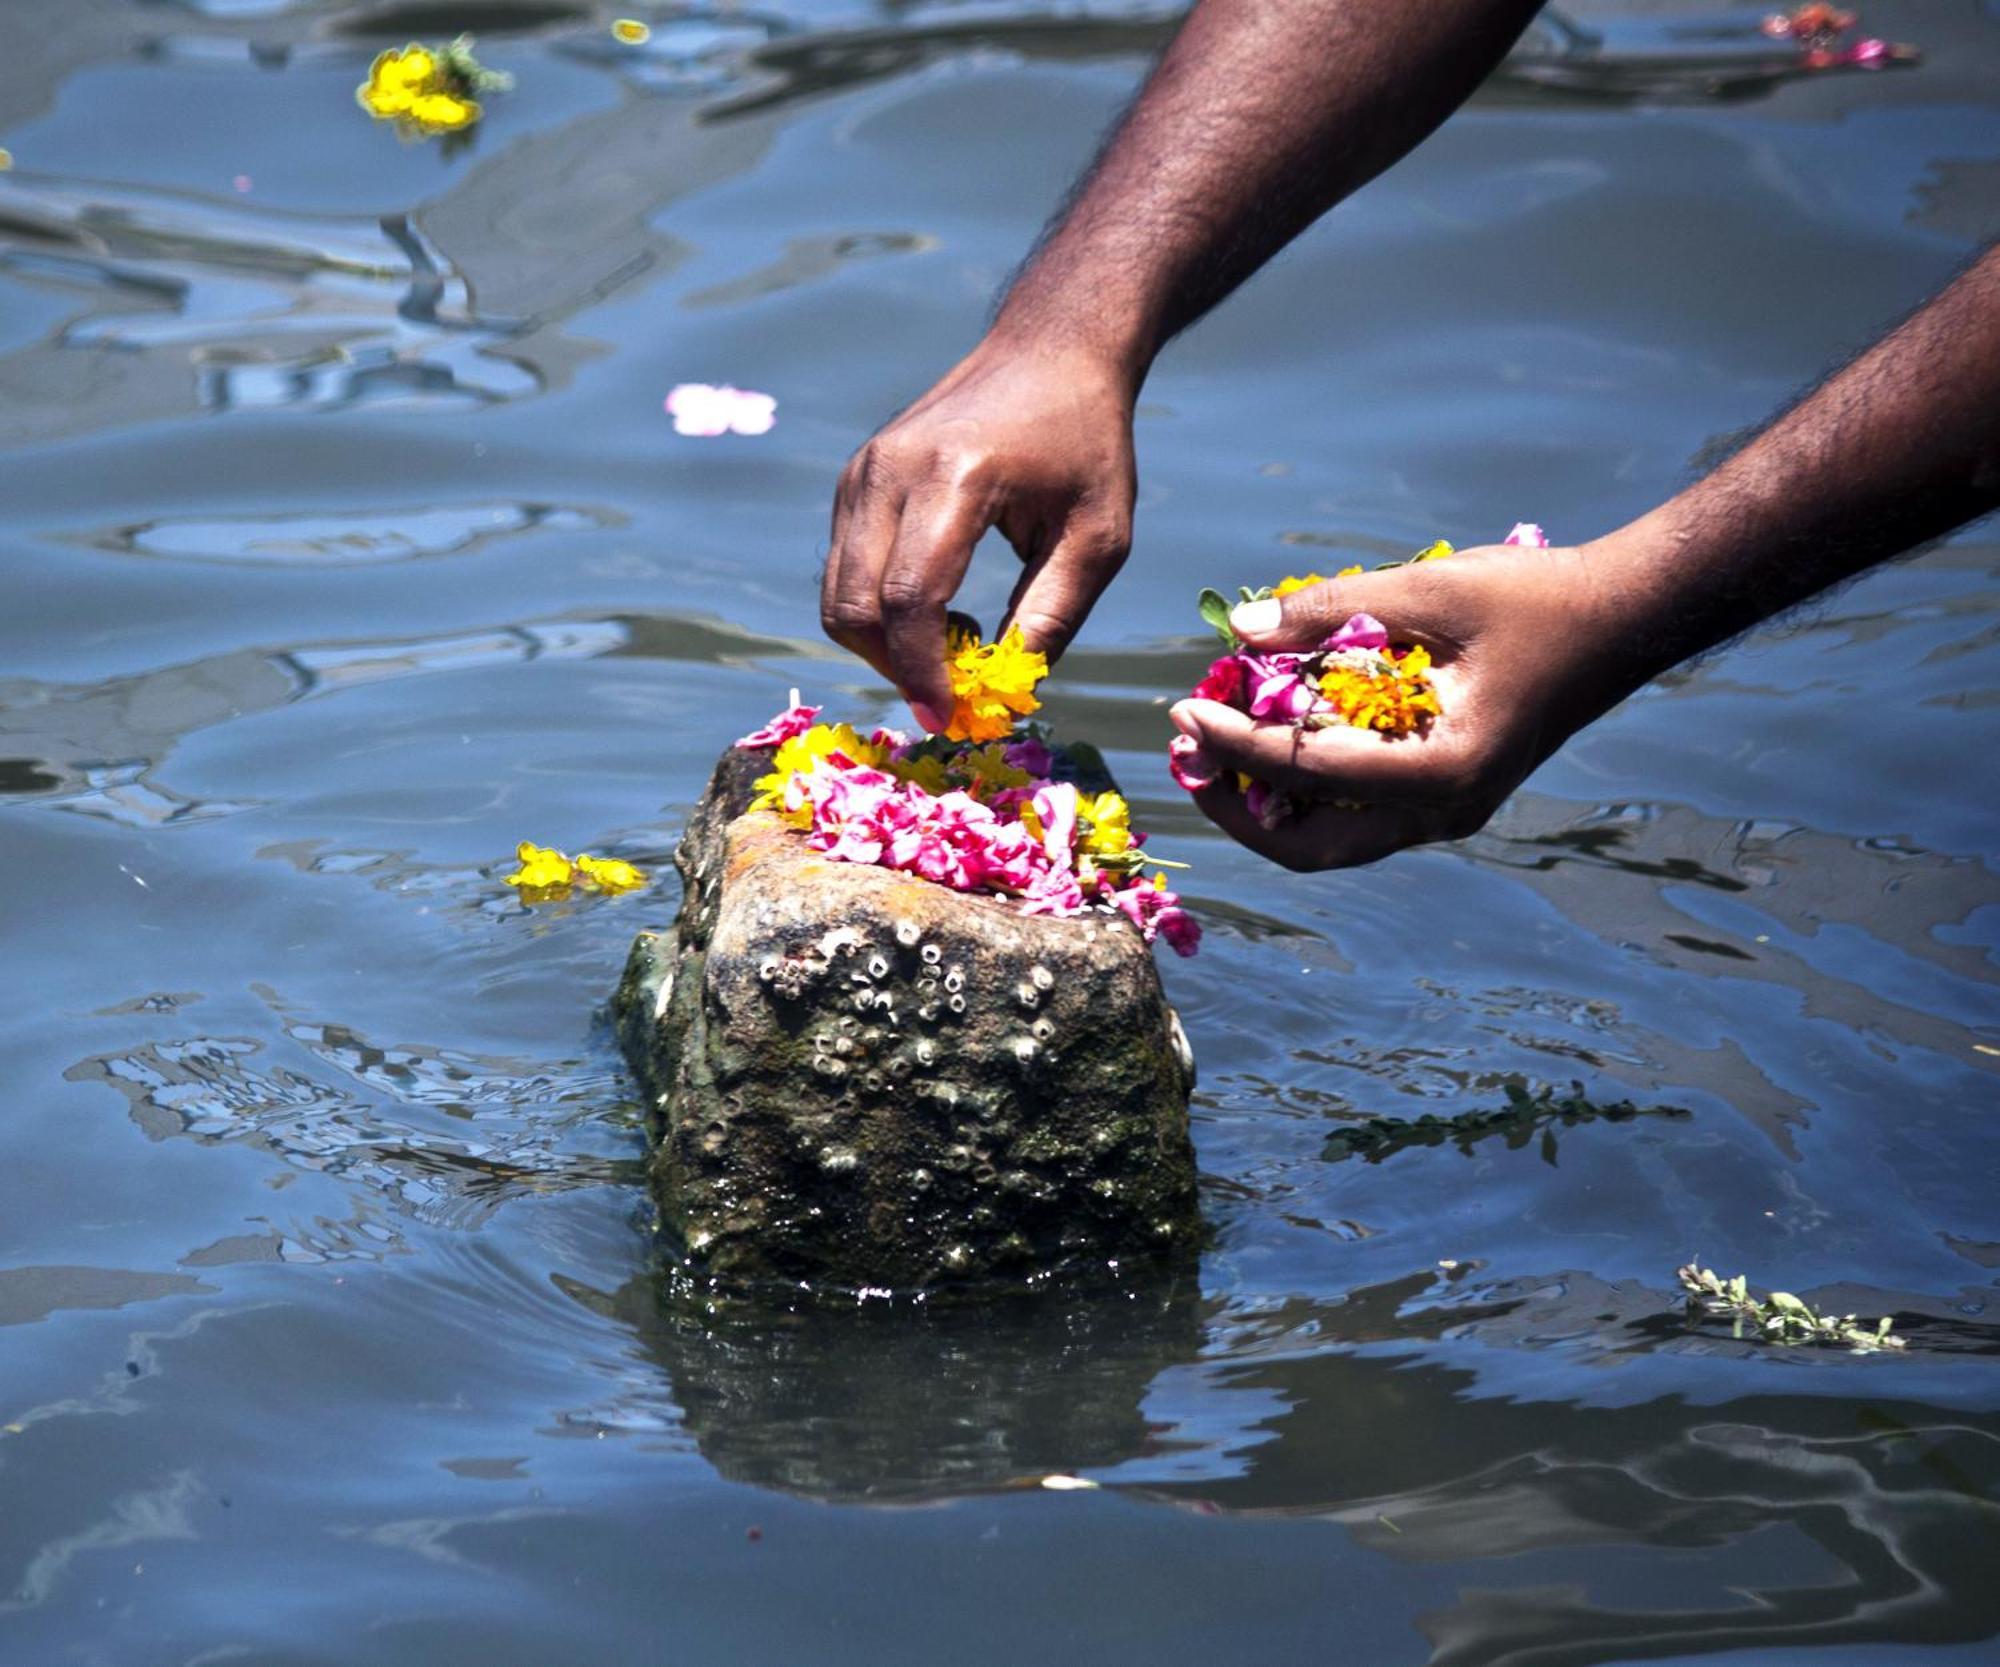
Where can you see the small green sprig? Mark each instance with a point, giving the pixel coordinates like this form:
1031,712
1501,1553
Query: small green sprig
467,75
1528,1113
1781,1317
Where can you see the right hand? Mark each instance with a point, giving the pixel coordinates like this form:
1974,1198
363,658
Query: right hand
1528,646
1033,440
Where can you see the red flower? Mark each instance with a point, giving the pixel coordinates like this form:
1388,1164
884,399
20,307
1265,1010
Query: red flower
1224,682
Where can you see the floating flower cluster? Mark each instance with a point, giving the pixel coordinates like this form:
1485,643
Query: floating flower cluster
984,814
1817,28
429,90
1356,678
547,876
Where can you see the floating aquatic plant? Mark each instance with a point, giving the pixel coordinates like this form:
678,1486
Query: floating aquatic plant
1525,1115
1780,1317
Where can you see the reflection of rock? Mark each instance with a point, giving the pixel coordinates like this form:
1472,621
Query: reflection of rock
862,1079
898,1402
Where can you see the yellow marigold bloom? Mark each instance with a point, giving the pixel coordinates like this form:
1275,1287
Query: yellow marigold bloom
6,159
428,90
1392,702
609,874
1285,587
1433,552
631,31
542,868
797,754
397,79
1108,824
992,684
444,112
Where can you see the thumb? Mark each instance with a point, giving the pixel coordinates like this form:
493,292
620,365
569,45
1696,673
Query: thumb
1396,598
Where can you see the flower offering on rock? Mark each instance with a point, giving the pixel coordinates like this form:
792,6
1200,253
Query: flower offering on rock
982,808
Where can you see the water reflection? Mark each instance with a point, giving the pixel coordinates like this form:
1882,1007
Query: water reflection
338,538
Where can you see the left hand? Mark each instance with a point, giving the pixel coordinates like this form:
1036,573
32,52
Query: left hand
1526,650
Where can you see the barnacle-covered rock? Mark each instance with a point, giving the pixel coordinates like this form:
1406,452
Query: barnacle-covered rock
857,1079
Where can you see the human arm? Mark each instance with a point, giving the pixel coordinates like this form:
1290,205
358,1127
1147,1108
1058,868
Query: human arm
1896,449
1259,117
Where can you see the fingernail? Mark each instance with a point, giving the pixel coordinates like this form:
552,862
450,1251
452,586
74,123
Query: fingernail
929,719
1184,719
1255,619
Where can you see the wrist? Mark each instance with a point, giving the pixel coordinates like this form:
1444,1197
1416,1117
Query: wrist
1083,320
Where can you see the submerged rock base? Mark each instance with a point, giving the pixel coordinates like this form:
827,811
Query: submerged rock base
856,1079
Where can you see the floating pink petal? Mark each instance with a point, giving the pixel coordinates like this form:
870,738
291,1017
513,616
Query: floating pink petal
1870,51
1528,536
702,409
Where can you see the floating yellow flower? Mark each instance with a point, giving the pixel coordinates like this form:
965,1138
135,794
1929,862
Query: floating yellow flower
631,31
546,874
610,875
992,684
428,90
1394,697
6,159
797,754
542,868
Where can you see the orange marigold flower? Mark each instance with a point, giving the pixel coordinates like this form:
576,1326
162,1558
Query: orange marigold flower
1393,696
992,684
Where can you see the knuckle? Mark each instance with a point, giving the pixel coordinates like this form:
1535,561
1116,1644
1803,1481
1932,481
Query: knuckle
904,596
844,616
1109,541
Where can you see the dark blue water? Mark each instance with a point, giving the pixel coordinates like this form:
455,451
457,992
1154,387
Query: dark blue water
344,543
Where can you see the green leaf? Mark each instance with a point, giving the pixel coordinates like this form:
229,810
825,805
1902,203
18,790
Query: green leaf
1214,608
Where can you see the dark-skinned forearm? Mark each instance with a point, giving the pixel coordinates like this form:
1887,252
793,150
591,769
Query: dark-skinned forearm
1260,116
1896,449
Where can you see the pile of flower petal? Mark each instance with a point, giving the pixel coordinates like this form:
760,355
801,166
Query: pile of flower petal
429,90
1357,679
983,811
546,875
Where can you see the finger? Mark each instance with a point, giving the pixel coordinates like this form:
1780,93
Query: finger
1404,599
1062,585
851,596
1321,836
932,550
1342,763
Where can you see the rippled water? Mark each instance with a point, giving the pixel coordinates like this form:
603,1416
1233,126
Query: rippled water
345,543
